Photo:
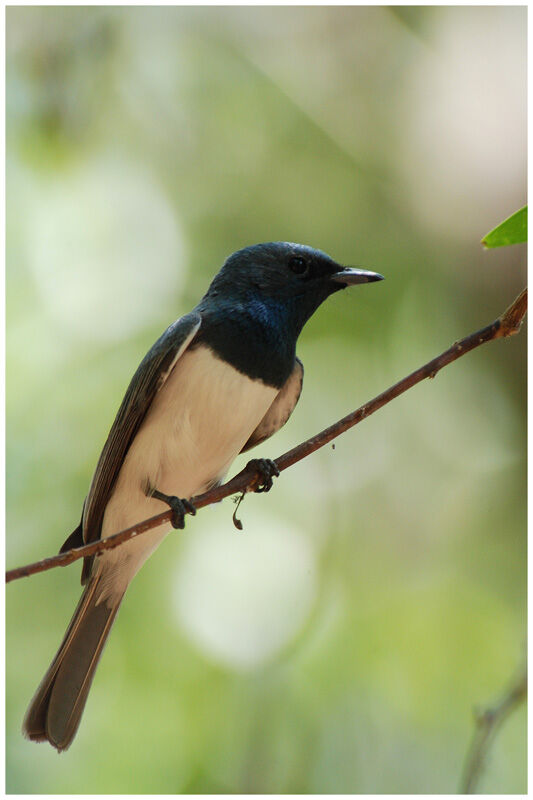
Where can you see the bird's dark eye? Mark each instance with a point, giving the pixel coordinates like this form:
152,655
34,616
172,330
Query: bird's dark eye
297,264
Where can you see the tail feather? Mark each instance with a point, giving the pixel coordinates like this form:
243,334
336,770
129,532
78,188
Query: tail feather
56,708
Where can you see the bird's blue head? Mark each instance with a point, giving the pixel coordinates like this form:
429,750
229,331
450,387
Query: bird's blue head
290,277
260,300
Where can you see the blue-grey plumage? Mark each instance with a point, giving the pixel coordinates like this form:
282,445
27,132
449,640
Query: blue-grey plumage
217,382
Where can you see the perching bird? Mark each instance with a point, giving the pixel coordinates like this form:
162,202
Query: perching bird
217,382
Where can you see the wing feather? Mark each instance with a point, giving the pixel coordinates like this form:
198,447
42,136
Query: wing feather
147,381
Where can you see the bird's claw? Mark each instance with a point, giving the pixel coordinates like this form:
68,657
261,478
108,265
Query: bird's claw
179,507
267,469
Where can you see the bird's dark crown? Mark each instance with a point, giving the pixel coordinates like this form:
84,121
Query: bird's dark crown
279,270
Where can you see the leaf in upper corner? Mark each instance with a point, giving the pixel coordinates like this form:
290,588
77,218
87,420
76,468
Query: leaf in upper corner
511,231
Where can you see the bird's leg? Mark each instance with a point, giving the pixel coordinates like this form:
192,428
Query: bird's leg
179,507
268,470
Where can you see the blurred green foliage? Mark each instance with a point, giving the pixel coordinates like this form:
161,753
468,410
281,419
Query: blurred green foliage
341,641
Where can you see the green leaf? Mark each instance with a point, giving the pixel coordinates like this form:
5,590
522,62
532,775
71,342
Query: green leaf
511,231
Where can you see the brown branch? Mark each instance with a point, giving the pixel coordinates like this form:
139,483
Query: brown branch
488,720
508,324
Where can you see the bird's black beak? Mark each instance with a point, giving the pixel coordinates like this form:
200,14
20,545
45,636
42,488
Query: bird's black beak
350,276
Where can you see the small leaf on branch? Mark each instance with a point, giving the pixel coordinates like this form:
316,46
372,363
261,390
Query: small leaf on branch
513,230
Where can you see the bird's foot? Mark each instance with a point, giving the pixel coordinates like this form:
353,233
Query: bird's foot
179,507
267,469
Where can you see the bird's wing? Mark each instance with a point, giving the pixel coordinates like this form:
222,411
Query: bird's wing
281,408
147,381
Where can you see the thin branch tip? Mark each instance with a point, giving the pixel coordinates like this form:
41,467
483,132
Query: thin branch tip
511,320
487,720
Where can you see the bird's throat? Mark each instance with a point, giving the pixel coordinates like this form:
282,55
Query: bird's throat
258,338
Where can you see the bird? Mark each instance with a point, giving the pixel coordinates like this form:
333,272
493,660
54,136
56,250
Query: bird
220,380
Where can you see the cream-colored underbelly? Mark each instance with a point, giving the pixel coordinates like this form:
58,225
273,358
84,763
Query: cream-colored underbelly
198,422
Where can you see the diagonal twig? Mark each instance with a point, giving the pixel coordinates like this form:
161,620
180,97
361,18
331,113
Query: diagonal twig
488,721
507,324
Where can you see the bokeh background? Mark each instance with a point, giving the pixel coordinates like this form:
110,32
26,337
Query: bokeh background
340,643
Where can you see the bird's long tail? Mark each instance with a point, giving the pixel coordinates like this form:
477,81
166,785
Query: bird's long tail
56,708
